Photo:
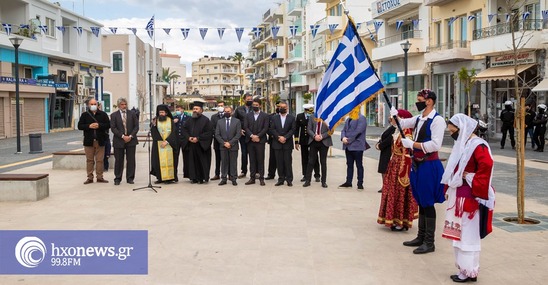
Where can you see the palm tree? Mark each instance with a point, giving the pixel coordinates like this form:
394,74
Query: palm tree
238,56
168,77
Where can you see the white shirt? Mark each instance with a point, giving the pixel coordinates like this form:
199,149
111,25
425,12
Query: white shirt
437,129
256,115
283,117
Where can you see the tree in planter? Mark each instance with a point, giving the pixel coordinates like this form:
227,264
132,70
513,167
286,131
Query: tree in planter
467,78
307,96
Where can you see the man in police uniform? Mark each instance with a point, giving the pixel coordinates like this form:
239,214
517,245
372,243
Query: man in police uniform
507,117
301,141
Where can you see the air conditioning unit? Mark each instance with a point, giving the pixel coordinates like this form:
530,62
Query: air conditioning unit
80,90
80,79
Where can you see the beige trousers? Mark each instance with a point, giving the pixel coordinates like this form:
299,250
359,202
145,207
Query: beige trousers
94,157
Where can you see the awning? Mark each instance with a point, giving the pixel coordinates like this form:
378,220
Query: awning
501,73
542,86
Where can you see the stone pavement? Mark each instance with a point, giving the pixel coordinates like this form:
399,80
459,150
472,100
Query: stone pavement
208,234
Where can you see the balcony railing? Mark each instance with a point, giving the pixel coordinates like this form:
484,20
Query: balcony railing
295,4
449,45
413,34
506,28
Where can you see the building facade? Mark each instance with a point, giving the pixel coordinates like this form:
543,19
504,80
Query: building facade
216,78
177,86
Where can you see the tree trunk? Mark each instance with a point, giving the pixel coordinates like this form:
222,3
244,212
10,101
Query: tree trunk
520,157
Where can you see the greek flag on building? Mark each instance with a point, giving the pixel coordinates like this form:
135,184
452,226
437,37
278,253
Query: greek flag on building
349,81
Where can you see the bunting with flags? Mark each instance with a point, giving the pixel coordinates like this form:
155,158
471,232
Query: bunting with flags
377,25
293,30
275,30
372,36
314,30
62,29
44,29
150,27
24,26
332,28
451,21
544,15
257,32
78,30
525,15
185,32
203,32
239,33
349,81
508,16
221,32
416,24
471,17
113,30
399,23
167,30
490,17
95,30
7,28
133,30
358,25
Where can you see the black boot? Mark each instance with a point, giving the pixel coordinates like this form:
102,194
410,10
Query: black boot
428,245
420,235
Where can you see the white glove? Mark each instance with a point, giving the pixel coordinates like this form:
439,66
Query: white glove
407,143
393,111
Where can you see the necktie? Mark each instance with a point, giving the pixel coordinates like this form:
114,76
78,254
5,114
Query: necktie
319,128
124,121
227,125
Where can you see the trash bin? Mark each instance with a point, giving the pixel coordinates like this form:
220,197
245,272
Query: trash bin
35,141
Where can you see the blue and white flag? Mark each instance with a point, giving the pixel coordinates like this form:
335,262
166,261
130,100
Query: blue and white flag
314,30
203,32
358,26
221,32
508,16
150,27
349,81
44,29
471,17
257,32
24,26
544,15
399,23
293,30
185,31
62,29
372,36
490,17
332,27
95,30
113,30
239,33
451,20
525,15
275,30
133,30
167,30
78,30
416,24
378,25
7,27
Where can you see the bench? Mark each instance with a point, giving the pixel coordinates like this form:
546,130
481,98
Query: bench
73,160
24,187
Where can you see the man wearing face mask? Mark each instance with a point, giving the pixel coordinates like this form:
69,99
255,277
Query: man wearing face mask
241,113
179,120
301,141
216,146
197,136
227,134
95,124
529,126
507,117
272,155
540,127
282,129
256,126
427,169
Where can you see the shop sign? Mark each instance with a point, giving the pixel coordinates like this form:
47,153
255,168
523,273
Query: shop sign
386,5
510,59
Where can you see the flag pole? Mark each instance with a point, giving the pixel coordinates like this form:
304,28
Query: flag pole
351,23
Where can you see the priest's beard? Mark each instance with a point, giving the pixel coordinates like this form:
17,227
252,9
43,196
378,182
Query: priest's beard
162,118
196,115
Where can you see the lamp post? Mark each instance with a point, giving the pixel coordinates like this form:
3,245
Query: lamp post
16,42
289,93
150,94
405,46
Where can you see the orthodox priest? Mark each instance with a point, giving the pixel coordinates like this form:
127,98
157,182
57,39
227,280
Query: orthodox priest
197,136
164,146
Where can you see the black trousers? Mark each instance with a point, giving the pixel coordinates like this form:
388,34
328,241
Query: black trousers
229,165
284,163
256,159
305,154
315,149
539,137
121,155
243,149
507,129
217,158
351,158
272,165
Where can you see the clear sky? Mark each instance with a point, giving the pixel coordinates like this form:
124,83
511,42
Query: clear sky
178,14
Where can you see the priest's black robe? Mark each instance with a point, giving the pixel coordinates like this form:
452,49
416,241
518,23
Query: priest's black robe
154,155
197,155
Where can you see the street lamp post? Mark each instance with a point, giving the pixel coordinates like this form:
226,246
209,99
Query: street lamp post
16,42
150,94
405,46
289,93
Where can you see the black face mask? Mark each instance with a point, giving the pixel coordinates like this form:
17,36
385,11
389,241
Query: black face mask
248,103
162,118
420,106
508,107
283,110
455,135
227,115
541,111
256,109
277,110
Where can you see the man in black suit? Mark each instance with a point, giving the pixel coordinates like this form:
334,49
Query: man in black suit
272,156
95,124
256,126
227,133
124,125
179,121
282,129
240,114
301,141
319,141
216,146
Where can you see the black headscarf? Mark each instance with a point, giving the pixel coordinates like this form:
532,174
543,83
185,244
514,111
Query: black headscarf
163,108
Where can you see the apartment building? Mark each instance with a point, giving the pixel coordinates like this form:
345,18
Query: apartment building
216,78
59,66
177,86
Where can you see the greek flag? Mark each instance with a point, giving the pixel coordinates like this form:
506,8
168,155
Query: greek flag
150,27
79,30
508,17
399,23
62,29
167,30
239,32
416,24
275,30
185,32
293,30
95,30
490,17
7,27
544,15
471,17
314,30
44,29
203,32
526,15
332,27
378,25
221,32
133,30
113,30
451,21
349,80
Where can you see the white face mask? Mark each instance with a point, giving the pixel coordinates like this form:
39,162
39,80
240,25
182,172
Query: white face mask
220,109
93,108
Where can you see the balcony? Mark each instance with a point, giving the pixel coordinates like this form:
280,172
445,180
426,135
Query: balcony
389,47
310,67
280,72
488,40
385,9
297,80
268,16
296,54
295,8
330,20
448,52
436,2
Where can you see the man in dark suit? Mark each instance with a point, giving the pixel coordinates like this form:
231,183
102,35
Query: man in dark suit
319,141
240,114
95,124
227,133
302,141
272,156
256,126
282,129
179,121
216,146
124,125
353,138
